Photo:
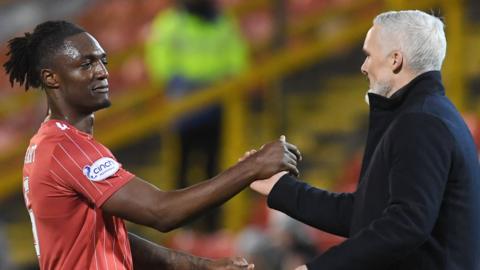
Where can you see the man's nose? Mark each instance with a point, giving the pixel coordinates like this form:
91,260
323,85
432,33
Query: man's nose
363,68
101,71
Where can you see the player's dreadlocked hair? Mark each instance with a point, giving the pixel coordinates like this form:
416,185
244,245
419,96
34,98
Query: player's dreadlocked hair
31,52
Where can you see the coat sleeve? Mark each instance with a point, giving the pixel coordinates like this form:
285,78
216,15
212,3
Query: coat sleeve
419,151
319,208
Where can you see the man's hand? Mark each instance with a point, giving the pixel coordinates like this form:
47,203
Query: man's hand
302,267
274,157
265,186
236,263
247,154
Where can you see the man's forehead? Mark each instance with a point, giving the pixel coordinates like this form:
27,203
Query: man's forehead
369,34
369,37
81,45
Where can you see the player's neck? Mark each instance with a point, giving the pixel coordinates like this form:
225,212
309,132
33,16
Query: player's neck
58,109
83,123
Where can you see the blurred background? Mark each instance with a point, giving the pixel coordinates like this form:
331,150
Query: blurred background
196,83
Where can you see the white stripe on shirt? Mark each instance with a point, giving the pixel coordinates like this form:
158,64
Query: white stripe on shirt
79,148
78,166
74,179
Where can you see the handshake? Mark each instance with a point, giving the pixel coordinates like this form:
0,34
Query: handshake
266,165
271,162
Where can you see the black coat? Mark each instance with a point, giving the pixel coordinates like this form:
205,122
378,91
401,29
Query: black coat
417,203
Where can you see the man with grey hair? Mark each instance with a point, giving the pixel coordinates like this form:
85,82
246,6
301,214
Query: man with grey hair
417,200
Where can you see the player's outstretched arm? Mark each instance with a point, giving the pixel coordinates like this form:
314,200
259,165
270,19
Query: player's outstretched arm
148,255
143,203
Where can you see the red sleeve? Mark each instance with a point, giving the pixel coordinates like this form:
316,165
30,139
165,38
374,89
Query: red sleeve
88,168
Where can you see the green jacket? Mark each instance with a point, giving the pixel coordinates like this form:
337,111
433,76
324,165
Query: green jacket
182,45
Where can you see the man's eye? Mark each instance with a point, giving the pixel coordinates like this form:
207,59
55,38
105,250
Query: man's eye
86,64
104,61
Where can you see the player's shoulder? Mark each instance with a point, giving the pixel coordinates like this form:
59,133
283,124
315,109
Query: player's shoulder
44,143
53,130
54,133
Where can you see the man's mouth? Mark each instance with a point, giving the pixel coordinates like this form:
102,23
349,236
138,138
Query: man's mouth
100,89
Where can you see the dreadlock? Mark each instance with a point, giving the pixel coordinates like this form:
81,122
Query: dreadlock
32,52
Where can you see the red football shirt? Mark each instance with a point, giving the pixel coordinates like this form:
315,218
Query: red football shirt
67,176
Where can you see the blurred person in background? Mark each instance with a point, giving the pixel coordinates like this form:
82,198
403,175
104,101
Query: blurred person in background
192,46
77,194
417,200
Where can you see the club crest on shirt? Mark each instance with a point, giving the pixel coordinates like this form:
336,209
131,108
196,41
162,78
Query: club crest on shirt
101,169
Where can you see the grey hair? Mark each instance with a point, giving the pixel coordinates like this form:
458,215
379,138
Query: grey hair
420,36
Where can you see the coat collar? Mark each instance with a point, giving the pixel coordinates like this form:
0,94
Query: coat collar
426,83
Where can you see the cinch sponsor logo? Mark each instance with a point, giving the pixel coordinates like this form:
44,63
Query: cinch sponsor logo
101,169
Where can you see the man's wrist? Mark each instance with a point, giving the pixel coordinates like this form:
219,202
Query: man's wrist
249,169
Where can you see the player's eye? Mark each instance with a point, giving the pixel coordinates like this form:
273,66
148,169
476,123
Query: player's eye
105,61
86,65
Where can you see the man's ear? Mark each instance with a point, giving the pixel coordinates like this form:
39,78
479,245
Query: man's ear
397,61
49,78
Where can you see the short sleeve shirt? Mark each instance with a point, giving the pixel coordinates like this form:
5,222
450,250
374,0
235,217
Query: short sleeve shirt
67,176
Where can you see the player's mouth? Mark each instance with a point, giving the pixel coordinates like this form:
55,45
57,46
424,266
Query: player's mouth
100,89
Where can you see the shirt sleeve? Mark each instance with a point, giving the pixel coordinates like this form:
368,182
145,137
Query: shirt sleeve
327,211
420,153
88,168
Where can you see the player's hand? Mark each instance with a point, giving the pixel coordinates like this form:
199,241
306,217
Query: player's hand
236,263
264,186
302,267
247,154
274,157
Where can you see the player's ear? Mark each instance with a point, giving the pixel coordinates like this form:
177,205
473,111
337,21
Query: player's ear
49,78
